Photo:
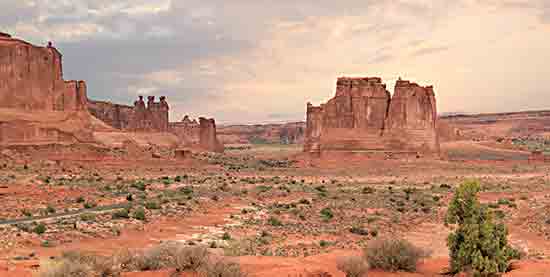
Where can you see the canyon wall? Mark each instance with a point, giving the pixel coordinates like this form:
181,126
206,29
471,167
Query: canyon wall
36,104
152,117
363,116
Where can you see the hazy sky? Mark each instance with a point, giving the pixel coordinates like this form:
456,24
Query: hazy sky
251,61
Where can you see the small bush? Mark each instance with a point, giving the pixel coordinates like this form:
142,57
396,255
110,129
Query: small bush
121,214
222,268
273,221
63,269
190,258
353,267
139,214
327,214
359,231
87,217
76,264
393,255
40,229
50,209
89,205
242,247
152,205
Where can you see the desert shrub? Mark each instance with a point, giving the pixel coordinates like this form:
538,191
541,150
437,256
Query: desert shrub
359,231
87,217
120,214
368,190
78,264
327,214
190,258
353,266
63,269
98,265
40,229
222,268
273,221
50,209
478,244
393,255
139,214
89,205
242,247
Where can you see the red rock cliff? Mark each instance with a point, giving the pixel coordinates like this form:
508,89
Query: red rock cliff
31,78
152,117
208,138
36,105
363,116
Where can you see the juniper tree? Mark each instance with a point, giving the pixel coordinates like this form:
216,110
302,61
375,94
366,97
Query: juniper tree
478,243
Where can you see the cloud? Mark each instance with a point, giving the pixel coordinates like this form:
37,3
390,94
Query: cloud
429,51
262,60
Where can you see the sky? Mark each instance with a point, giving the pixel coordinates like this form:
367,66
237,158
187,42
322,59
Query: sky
259,61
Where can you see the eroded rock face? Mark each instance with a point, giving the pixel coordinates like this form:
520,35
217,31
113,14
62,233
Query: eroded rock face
363,116
36,104
187,130
152,117
208,138
31,78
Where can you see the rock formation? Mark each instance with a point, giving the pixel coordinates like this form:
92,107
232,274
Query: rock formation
208,139
31,78
187,130
364,117
36,104
152,117
202,134
38,107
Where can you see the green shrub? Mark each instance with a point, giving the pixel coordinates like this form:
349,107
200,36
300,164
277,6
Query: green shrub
152,205
89,205
273,221
478,244
121,214
393,255
327,214
87,217
139,214
40,229
50,209
353,266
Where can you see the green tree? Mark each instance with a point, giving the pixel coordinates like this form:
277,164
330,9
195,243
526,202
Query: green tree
478,243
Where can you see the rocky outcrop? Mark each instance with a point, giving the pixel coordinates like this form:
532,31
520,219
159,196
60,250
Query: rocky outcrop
31,78
152,117
36,104
187,130
208,138
363,116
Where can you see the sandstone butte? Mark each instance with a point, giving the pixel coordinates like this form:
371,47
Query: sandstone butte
364,117
37,106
